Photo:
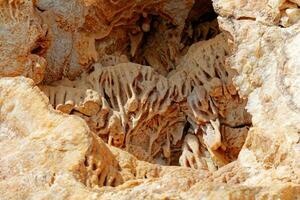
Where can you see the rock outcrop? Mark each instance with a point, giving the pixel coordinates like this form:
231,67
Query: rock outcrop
46,154
21,34
133,107
149,99
40,144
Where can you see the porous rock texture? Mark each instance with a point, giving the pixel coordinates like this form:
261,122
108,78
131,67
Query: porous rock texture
149,99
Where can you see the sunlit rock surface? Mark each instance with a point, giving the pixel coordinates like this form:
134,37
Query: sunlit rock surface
151,99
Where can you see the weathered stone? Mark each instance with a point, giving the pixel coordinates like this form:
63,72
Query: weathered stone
187,108
38,145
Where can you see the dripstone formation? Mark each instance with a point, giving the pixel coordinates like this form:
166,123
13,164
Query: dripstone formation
149,99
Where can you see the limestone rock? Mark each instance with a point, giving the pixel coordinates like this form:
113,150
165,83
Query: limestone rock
52,155
132,110
39,145
21,35
82,32
266,60
151,99
133,107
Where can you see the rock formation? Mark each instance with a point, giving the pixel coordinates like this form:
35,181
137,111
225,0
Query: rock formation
151,99
133,107
22,32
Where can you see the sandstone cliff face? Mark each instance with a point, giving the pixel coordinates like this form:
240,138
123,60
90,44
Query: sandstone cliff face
149,99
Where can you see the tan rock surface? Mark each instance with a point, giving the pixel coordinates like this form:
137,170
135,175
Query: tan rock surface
56,156
188,108
21,34
269,76
39,144
83,32
132,107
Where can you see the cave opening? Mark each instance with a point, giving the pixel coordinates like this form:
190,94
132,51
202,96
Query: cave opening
179,106
204,144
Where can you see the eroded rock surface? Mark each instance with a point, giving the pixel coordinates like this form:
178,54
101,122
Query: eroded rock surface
53,155
20,34
46,144
150,99
133,107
